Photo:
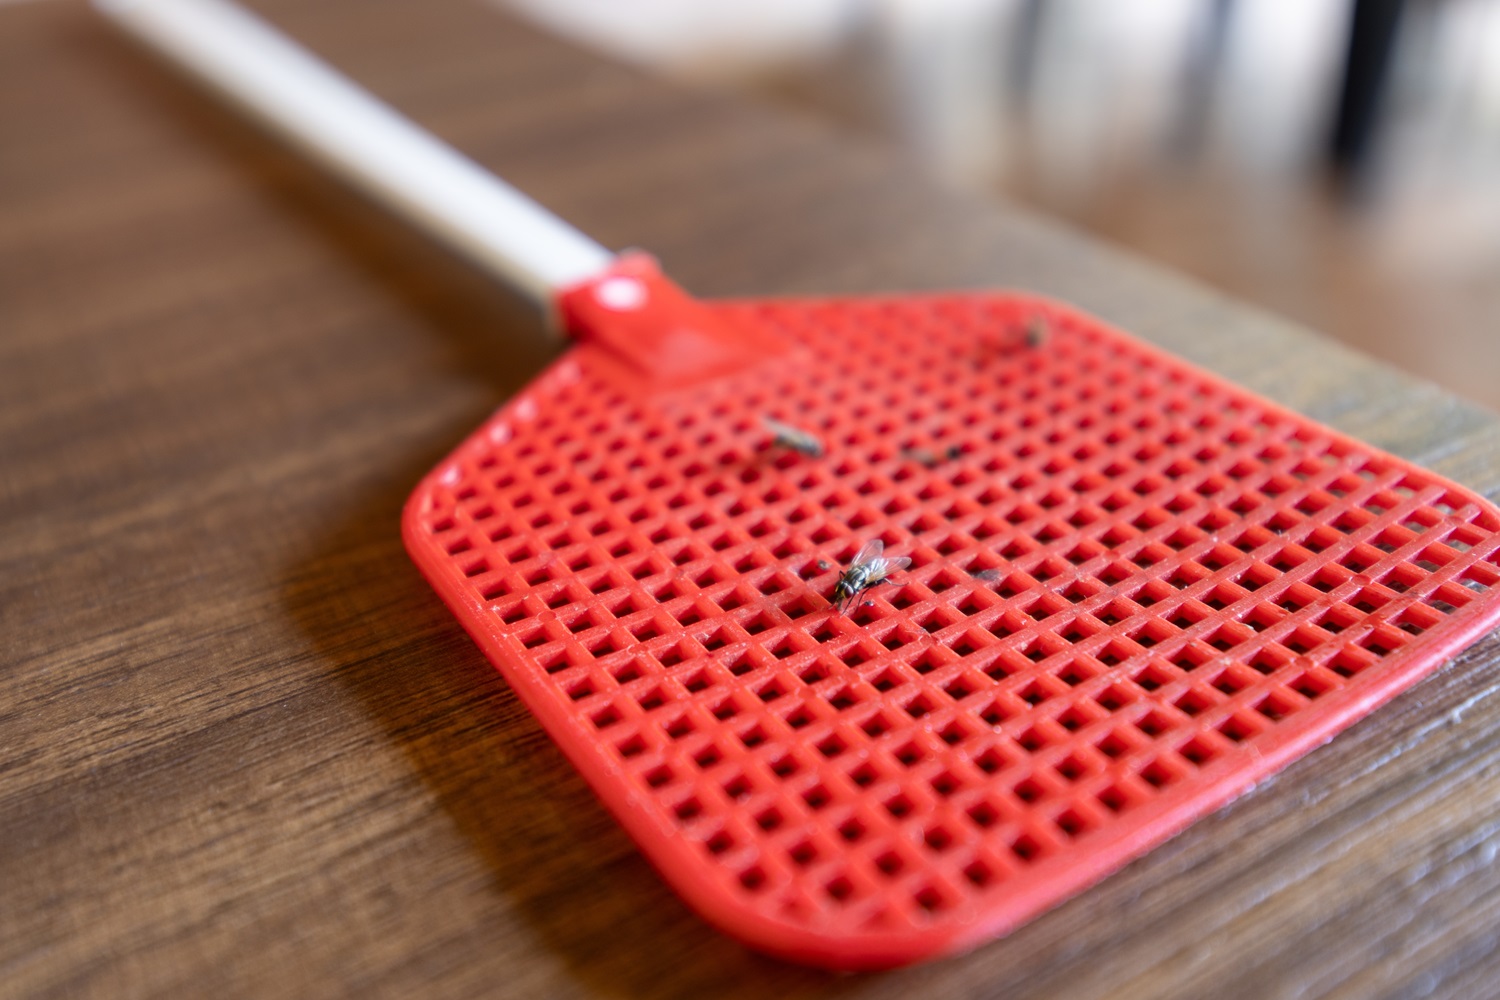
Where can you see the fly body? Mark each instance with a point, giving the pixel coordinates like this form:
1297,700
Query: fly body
793,438
870,568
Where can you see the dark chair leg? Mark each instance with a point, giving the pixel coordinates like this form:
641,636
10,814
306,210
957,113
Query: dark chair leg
1372,46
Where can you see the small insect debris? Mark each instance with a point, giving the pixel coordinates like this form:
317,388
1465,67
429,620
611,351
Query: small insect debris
824,565
929,458
869,569
1037,332
987,575
793,438
922,456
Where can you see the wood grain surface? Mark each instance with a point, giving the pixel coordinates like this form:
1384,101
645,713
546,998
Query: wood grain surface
244,751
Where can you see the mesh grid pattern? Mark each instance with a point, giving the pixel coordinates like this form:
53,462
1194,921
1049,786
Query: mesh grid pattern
1183,588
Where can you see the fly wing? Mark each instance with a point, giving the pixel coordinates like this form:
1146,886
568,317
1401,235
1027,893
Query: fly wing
868,553
897,563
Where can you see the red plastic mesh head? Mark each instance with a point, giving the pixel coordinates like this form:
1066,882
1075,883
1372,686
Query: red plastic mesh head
1192,587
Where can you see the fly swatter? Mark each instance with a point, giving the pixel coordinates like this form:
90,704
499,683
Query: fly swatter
1134,589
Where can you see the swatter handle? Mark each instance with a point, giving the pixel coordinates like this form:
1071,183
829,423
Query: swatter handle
365,141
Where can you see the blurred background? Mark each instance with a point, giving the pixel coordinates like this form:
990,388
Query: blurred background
1335,161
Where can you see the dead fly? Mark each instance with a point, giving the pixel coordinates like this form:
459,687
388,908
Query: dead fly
922,456
929,458
869,569
793,438
1037,332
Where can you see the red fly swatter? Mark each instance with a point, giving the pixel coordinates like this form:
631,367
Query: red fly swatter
1134,589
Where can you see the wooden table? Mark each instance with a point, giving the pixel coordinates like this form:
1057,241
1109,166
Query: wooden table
247,752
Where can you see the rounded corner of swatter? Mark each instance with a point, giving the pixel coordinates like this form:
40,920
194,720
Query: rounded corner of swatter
851,951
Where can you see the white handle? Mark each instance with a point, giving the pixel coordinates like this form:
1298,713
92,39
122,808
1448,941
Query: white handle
365,141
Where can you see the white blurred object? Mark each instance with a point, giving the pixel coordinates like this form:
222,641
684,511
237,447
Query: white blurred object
1100,75
697,39
1280,73
945,64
